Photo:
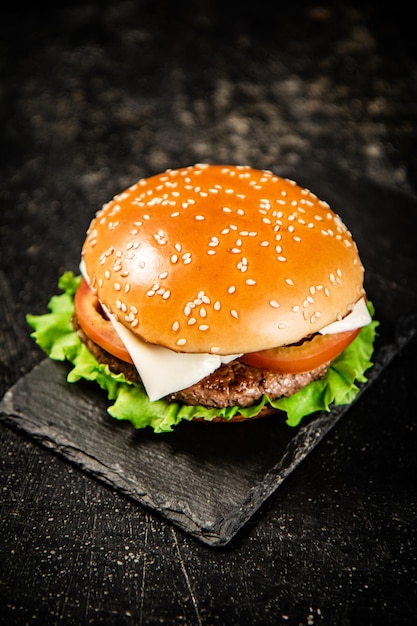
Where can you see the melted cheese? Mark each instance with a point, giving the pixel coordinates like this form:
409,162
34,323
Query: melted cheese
359,317
164,371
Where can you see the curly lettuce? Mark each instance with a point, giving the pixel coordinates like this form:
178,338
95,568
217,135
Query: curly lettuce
55,334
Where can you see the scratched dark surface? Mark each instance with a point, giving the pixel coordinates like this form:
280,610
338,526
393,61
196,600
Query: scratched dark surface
95,95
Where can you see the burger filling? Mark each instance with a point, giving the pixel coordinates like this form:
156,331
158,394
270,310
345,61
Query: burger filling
210,380
234,383
61,334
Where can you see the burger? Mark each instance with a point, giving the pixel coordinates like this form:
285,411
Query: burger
215,293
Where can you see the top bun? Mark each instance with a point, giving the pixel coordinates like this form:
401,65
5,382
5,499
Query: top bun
222,259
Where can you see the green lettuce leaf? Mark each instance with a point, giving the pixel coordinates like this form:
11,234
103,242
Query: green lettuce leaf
54,333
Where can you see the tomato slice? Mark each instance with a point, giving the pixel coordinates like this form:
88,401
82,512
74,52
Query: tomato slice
96,325
302,357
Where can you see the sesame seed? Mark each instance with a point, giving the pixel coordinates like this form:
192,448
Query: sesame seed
231,289
175,326
191,321
214,349
274,304
217,305
290,282
250,281
166,295
282,259
282,325
234,313
200,218
174,258
117,286
181,342
203,327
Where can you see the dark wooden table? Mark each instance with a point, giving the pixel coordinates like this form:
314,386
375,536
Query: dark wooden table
96,95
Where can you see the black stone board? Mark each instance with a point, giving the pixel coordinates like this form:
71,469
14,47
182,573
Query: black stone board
210,478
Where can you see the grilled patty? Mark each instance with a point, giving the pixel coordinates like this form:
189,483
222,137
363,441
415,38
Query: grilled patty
232,384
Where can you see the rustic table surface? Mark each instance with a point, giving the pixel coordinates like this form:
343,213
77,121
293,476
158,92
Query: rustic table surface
96,95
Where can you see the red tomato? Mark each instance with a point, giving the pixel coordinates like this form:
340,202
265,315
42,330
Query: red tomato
96,325
307,356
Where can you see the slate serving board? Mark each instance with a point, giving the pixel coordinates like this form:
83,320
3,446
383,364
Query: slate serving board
209,479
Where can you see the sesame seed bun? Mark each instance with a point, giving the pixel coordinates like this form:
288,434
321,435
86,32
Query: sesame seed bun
222,259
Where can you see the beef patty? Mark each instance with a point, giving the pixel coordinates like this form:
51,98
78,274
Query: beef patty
232,384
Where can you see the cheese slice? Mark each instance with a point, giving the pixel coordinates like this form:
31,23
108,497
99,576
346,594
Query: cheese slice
164,371
359,317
